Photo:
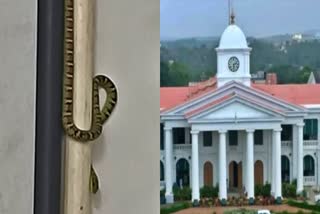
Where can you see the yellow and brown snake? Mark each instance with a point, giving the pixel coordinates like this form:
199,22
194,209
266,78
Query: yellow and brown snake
99,117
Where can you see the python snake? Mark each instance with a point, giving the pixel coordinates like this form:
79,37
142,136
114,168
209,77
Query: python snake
99,117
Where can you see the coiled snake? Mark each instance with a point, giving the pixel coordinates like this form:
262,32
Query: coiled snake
100,81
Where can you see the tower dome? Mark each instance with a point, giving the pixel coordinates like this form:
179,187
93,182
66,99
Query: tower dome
233,38
233,56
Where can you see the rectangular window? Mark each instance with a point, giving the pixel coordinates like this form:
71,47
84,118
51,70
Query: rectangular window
178,135
233,138
310,129
258,137
286,133
207,139
161,136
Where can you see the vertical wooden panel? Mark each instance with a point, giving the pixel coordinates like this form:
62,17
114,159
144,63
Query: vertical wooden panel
231,174
208,174
258,172
240,175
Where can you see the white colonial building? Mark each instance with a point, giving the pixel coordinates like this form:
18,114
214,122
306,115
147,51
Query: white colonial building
234,133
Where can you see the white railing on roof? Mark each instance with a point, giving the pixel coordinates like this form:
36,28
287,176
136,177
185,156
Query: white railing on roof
182,146
286,143
309,180
310,142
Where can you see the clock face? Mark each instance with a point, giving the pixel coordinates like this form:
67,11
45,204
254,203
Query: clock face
233,64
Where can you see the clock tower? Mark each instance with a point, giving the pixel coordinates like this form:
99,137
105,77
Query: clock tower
233,56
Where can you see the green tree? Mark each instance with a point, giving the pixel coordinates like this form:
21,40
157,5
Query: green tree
304,74
164,74
178,74
173,74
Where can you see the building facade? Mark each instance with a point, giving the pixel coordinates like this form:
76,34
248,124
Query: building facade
231,132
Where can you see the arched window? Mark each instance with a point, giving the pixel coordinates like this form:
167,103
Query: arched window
235,174
161,171
285,169
308,166
182,173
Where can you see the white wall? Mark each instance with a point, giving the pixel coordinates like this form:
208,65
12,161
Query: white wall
17,104
127,157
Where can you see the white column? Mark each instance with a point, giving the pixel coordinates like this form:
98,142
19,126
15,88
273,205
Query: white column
273,165
317,168
222,166
250,164
168,161
244,168
277,162
195,166
300,158
294,151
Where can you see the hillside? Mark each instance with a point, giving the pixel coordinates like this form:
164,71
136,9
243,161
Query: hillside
278,54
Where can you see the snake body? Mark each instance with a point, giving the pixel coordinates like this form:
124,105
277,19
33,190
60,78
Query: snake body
99,117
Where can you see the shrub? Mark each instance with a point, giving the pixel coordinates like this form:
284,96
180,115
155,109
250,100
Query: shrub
162,196
262,190
294,182
174,208
240,211
209,192
304,205
162,192
289,190
258,190
183,194
304,193
266,190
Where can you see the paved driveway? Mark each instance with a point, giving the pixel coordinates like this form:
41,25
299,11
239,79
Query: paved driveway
220,210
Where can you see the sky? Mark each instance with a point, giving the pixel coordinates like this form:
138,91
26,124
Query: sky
201,18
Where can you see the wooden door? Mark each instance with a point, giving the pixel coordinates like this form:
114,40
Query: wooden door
208,174
258,172
240,175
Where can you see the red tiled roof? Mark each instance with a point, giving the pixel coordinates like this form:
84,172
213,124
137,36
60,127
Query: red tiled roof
213,103
298,94
173,96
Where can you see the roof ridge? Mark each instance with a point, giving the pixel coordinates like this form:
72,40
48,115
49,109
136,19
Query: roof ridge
210,104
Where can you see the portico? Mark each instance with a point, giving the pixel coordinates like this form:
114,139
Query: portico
223,150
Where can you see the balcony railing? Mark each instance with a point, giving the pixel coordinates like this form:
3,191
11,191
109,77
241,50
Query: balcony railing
310,142
182,147
286,143
309,180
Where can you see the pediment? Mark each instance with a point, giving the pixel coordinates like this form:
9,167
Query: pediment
235,108
238,89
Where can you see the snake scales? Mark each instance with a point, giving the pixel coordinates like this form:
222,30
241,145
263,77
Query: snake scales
100,81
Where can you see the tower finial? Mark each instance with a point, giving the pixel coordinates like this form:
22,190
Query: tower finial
229,12
232,17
